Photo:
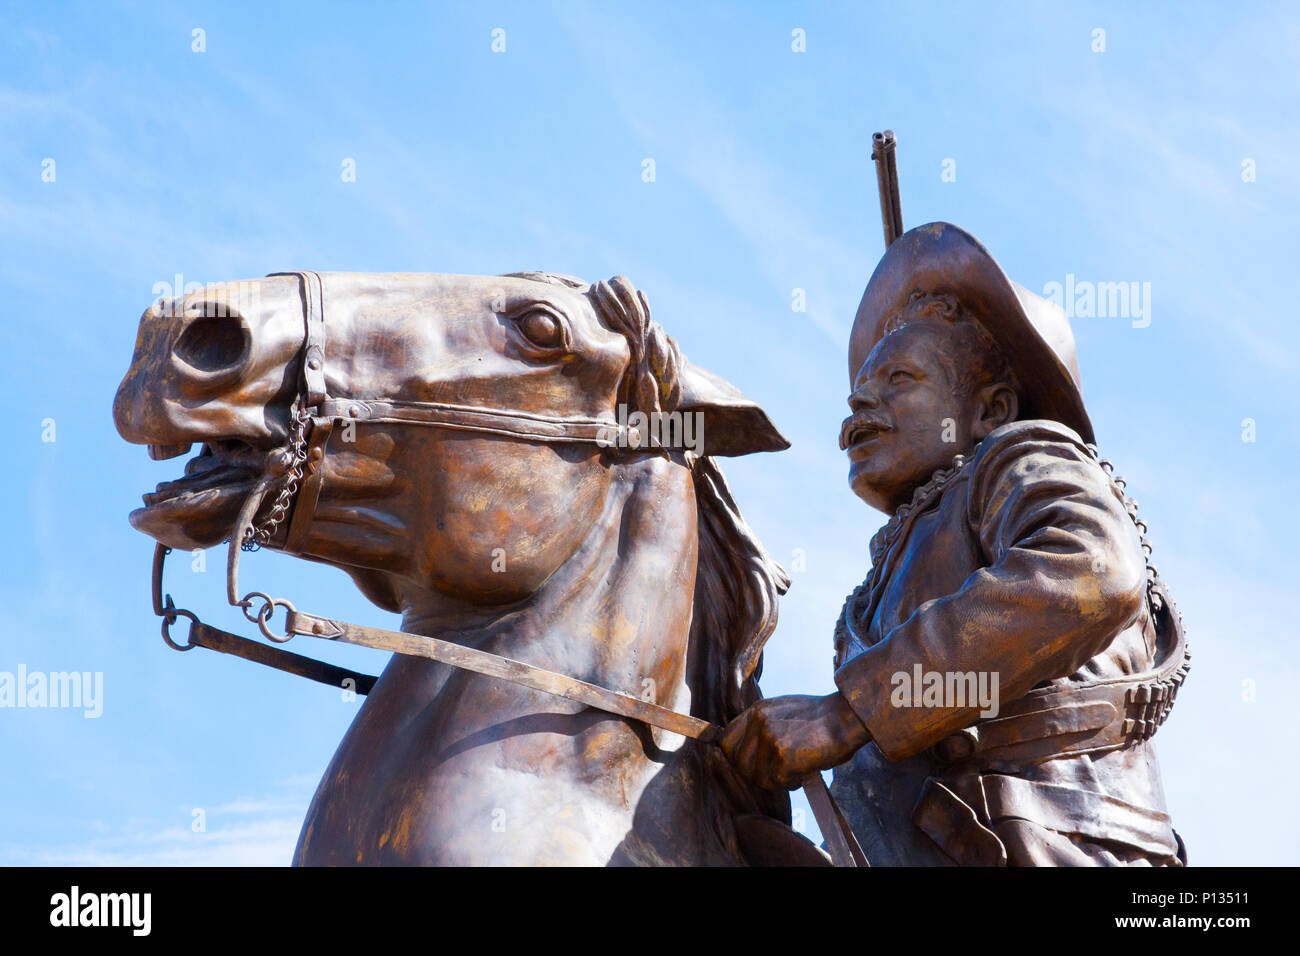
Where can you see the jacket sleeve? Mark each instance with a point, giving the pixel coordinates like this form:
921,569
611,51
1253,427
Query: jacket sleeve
1065,576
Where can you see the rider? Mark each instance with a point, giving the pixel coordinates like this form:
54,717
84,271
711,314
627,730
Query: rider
1011,562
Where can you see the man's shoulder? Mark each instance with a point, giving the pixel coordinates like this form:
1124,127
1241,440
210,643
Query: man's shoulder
1038,451
1027,434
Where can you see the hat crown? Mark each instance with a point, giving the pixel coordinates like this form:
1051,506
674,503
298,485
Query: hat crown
1033,332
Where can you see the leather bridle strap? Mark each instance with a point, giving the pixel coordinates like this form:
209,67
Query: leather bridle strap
493,665
841,843
224,642
313,343
312,292
309,488
474,418
326,413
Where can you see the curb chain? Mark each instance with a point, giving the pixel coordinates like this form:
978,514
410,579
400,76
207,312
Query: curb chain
296,447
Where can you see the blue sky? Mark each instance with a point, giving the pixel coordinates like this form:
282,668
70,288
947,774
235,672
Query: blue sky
1122,165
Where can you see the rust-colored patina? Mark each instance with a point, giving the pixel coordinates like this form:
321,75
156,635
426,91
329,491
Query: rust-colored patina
470,455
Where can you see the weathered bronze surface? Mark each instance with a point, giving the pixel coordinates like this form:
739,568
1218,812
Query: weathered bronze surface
454,443
583,605
1012,562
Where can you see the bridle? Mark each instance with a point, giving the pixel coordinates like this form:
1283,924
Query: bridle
299,465
299,468
315,414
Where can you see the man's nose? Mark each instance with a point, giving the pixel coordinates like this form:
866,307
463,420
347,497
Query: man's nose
863,398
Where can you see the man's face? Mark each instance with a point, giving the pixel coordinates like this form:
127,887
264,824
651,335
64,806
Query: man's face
909,418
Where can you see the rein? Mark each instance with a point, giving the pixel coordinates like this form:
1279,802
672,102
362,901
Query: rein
299,466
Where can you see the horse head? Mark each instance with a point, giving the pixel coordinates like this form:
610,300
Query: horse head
523,463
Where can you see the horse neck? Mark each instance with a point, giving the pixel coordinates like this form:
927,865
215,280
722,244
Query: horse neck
617,613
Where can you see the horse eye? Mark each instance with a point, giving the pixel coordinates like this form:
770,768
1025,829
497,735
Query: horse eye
542,329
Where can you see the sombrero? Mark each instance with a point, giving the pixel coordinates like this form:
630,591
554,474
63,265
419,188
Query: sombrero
1032,332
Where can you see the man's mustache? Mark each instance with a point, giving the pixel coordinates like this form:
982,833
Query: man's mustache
856,428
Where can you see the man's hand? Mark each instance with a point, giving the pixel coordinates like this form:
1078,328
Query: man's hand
778,742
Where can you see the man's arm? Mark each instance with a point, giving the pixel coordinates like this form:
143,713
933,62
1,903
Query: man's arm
1065,577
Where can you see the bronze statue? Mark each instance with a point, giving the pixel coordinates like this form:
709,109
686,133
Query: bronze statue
462,447
524,467
1008,657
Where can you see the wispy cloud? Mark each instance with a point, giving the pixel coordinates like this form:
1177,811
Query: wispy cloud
246,831
266,842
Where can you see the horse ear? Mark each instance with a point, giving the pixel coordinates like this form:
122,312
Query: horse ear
733,425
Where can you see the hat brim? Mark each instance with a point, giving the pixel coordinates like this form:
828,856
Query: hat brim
942,258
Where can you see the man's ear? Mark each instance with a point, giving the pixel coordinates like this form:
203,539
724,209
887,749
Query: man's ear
997,405
732,424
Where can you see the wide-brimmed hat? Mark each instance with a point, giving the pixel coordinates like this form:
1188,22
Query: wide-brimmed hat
1032,332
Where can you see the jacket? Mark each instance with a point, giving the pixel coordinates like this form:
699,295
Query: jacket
1022,565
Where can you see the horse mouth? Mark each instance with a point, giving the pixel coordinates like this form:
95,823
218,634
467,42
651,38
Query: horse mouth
198,510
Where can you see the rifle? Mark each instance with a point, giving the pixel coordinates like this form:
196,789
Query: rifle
891,208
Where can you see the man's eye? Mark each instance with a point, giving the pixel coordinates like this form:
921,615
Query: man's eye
899,376
542,329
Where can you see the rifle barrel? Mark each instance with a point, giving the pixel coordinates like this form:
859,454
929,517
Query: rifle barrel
891,206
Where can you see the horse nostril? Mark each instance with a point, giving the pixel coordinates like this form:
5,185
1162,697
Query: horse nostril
213,344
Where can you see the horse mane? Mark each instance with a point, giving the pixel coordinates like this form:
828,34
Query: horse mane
737,584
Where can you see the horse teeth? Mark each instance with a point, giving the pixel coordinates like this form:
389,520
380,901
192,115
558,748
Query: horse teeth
163,452
202,463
